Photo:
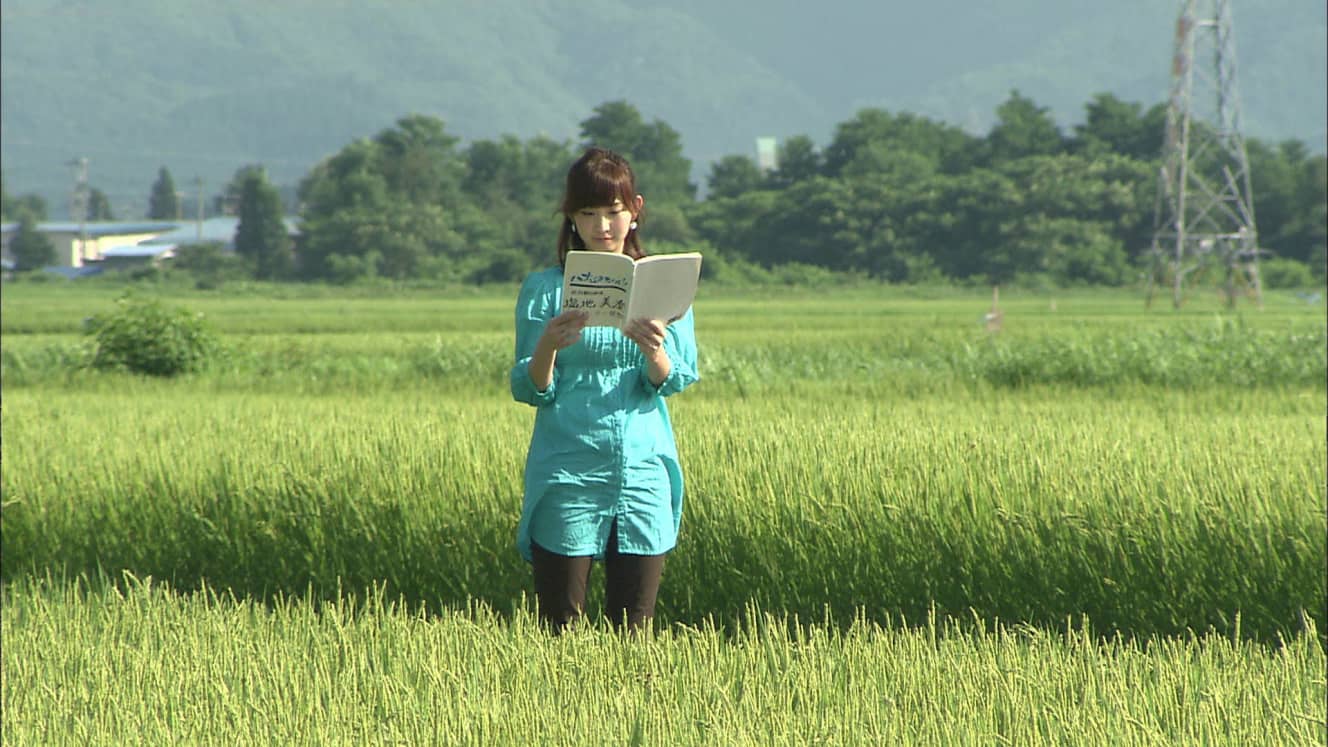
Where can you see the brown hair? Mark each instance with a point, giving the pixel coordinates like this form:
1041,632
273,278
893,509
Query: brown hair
598,178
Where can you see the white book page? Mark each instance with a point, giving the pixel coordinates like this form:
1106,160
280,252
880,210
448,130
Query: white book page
665,286
600,284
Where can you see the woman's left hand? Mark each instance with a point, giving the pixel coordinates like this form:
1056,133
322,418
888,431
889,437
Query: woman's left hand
648,334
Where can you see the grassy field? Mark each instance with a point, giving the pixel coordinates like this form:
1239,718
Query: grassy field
149,666
1100,522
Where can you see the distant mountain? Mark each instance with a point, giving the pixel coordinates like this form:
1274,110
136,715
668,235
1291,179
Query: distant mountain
204,88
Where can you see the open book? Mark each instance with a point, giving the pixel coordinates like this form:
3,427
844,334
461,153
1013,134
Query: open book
615,289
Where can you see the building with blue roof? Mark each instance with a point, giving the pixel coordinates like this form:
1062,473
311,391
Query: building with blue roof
79,244
117,244
219,230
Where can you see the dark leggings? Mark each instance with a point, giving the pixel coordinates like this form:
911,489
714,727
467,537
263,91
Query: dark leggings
631,583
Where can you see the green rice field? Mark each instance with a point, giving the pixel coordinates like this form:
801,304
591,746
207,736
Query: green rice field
1097,524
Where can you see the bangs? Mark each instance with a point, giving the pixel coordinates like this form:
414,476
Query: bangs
600,185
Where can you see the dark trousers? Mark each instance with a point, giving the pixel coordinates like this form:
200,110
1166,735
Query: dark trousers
631,583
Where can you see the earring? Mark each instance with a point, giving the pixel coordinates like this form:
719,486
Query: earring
573,228
632,227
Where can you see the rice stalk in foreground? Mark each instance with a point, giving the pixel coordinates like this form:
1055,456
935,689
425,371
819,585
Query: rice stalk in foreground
146,663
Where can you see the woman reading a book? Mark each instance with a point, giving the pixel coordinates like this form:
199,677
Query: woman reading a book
602,479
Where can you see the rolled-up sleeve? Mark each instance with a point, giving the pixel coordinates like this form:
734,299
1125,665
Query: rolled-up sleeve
680,344
533,310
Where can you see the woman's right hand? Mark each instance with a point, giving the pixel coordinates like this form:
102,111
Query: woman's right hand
564,330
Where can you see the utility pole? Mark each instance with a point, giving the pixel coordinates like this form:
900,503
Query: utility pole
198,217
78,206
1204,212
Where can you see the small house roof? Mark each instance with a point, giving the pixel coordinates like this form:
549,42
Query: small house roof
96,229
138,250
220,230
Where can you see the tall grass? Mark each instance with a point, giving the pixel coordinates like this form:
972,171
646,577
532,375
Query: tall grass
907,358
145,665
1099,525
1150,512
314,340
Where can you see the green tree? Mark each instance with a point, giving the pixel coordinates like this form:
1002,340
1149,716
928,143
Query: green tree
898,165
99,207
873,141
1281,273
1066,250
397,205
616,125
494,171
1124,128
163,202
394,240
30,248
810,225
502,266
340,194
509,172
1273,185
1107,188
7,203
735,223
34,205
260,237
955,220
654,149
798,161
228,201
1080,217
544,165
732,176
1290,192
348,181
419,161
208,263
13,208
1023,129
880,212
1306,235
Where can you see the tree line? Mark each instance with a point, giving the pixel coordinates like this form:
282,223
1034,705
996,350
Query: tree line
893,196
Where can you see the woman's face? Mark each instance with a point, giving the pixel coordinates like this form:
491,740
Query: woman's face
604,228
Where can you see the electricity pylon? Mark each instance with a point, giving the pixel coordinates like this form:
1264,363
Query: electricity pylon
1204,214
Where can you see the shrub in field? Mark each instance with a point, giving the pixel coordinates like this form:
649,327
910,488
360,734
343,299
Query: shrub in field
149,338
1281,273
209,264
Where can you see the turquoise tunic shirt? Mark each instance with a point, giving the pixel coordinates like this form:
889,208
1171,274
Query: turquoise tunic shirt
602,448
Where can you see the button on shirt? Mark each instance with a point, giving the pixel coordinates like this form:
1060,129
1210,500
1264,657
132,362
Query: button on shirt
602,447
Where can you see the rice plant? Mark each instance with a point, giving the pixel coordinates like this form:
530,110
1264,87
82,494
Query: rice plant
1097,525
144,664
